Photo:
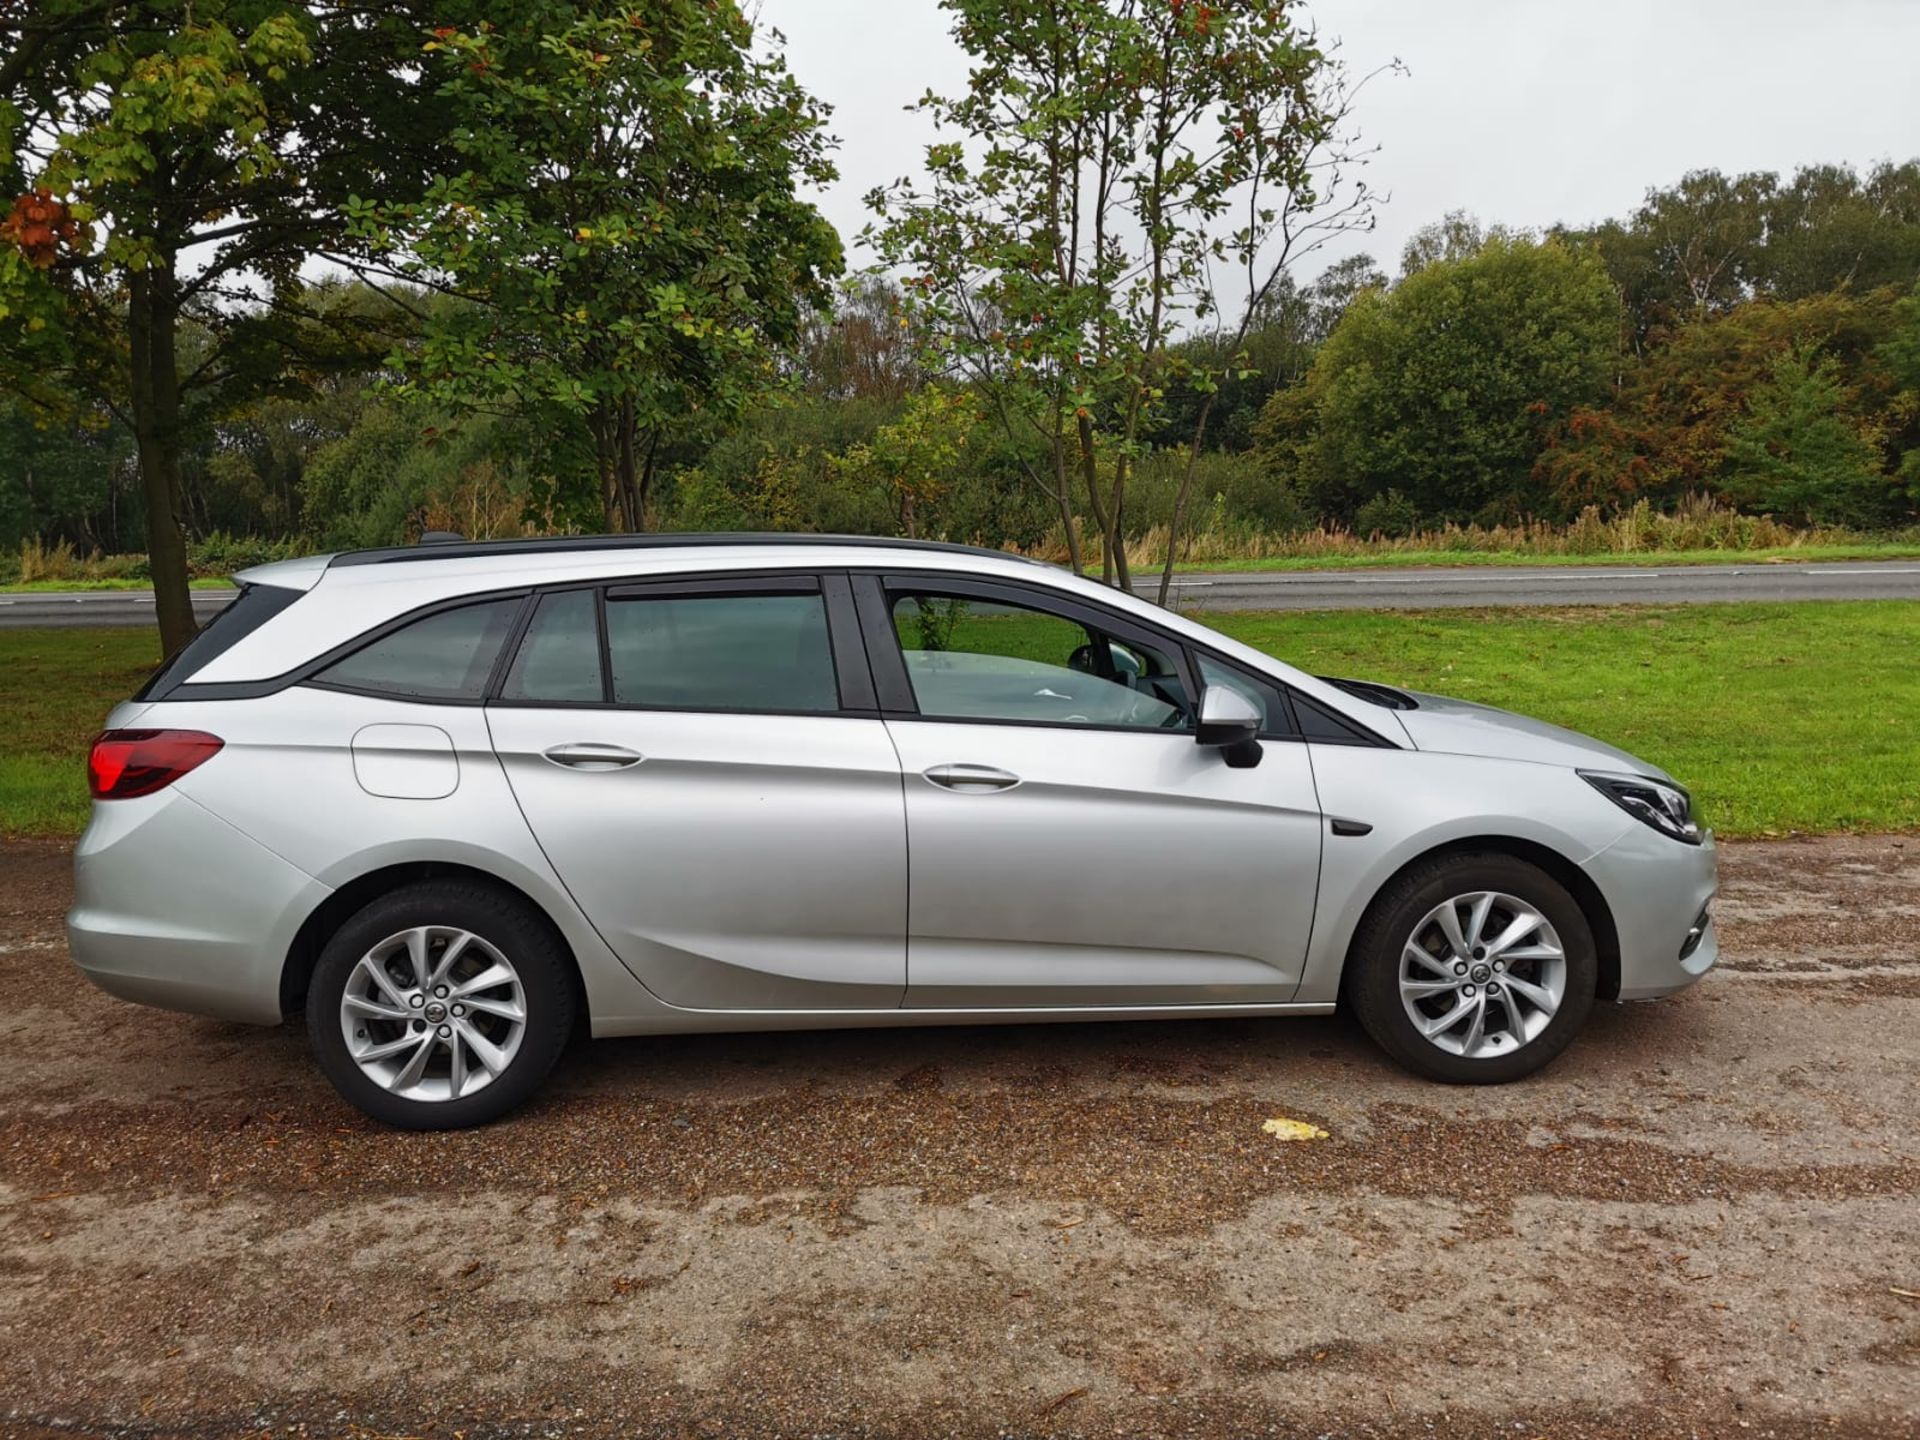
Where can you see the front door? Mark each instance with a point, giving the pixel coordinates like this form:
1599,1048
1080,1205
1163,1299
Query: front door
690,766
1070,843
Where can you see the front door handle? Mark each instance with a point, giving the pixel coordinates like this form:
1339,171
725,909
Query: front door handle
970,779
589,755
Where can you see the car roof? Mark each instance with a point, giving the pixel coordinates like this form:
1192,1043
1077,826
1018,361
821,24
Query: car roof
453,547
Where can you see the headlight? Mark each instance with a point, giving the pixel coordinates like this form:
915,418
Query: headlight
1667,808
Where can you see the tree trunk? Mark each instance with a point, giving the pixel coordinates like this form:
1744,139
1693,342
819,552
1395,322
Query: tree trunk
632,501
647,472
1117,518
1063,497
152,314
601,423
1090,472
1180,500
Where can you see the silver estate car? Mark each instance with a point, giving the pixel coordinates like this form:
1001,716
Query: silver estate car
457,800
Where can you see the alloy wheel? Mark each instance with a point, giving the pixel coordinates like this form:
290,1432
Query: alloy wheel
1482,974
433,1013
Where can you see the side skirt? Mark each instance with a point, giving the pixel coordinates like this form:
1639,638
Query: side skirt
722,1021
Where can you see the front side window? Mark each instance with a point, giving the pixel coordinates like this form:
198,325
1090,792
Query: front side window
973,659
444,656
722,652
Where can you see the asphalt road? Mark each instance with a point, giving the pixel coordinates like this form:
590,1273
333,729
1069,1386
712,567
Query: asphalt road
1290,590
95,609
1545,585
1699,1222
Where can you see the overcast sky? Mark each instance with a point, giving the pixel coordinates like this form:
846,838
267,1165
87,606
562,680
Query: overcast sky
1523,112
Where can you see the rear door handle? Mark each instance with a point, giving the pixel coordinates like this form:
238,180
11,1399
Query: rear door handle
589,755
970,779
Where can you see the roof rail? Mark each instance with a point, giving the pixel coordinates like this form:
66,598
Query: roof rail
564,544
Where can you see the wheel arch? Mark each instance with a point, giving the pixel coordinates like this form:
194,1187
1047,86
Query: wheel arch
1586,894
296,971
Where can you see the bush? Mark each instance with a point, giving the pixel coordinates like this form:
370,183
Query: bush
1229,488
58,562
219,556
1389,514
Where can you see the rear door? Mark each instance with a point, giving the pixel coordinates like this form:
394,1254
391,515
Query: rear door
1072,844
702,761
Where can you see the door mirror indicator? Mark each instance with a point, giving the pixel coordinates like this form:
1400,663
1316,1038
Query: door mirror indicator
1230,723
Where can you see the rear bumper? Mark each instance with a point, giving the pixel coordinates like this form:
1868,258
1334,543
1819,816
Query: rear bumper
176,908
1657,890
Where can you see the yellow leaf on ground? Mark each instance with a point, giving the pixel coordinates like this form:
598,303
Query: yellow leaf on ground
1282,1128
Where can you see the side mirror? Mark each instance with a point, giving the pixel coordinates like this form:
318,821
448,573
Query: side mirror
1230,723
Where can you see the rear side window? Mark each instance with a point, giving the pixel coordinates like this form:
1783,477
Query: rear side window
252,608
722,652
444,656
559,661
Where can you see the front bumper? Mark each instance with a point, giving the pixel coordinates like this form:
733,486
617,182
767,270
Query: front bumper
176,908
1657,890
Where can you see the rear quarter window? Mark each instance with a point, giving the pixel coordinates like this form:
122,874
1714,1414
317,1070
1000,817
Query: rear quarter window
253,607
448,655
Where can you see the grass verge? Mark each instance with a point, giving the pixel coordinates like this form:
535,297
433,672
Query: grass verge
1645,559
56,687
1802,717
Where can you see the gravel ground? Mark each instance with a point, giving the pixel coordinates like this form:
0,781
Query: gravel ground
1704,1220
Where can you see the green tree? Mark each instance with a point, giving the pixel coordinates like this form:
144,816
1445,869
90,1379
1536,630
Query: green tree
913,460
1443,387
1900,353
1664,431
864,348
1105,158
57,478
1691,250
1829,228
1288,325
1798,452
623,215
1455,236
194,155
399,468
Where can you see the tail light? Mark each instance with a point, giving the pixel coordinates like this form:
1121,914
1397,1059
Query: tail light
126,763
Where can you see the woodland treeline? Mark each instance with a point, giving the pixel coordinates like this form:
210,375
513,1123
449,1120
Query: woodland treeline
308,277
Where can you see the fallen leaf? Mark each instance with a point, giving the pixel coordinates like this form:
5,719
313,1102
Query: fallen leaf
1282,1128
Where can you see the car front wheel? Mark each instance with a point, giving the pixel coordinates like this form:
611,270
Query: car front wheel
440,1005
1473,969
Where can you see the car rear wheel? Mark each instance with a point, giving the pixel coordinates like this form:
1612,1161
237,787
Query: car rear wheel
1473,969
440,1005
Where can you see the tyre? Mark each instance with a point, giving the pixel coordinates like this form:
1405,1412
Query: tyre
441,1005
1473,969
